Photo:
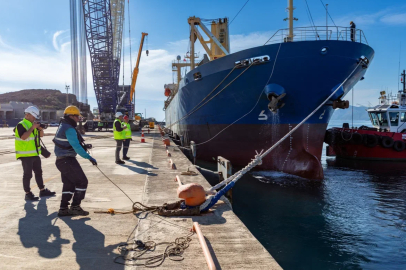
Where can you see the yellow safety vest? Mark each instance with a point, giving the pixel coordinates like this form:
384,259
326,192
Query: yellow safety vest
118,135
27,147
127,132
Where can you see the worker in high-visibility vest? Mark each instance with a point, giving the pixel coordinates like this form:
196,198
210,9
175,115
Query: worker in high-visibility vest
119,135
100,125
28,149
127,137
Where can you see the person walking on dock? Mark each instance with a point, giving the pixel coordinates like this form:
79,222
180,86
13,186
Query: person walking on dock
352,27
69,143
28,149
127,137
118,129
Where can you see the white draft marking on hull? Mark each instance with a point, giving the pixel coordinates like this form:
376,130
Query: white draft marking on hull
262,116
321,116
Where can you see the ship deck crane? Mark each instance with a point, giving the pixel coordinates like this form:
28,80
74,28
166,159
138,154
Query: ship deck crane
136,69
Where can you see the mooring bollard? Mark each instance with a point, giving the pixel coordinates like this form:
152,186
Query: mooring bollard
173,166
194,150
167,152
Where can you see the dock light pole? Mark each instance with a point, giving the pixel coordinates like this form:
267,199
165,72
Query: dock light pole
67,95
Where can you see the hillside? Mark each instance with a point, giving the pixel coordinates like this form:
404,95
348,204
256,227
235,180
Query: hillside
43,98
359,114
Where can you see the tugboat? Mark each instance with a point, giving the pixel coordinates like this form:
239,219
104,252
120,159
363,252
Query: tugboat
384,141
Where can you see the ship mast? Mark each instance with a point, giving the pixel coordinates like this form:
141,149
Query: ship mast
290,20
403,81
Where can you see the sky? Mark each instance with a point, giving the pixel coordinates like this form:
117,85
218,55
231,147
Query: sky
35,40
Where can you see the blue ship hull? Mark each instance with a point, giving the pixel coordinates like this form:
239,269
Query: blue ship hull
307,77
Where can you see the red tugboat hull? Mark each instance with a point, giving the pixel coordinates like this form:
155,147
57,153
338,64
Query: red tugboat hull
375,145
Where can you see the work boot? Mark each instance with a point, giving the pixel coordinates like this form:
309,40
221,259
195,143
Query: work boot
126,158
31,197
120,162
46,192
63,212
78,211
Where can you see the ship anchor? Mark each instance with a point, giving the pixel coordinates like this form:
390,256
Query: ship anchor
276,102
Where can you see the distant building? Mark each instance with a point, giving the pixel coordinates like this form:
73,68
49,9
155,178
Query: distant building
12,113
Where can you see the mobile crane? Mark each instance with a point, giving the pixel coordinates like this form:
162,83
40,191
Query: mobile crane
135,72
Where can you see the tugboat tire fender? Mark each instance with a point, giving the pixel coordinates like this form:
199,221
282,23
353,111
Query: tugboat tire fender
328,137
346,135
387,142
357,138
399,146
370,140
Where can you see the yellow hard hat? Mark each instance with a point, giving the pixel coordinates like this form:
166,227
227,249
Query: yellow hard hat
351,22
72,110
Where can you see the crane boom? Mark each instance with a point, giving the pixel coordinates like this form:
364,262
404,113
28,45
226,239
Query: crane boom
135,72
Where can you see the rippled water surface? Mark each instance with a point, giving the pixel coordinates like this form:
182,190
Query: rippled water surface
354,219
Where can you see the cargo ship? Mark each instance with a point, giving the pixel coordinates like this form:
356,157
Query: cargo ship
236,104
384,140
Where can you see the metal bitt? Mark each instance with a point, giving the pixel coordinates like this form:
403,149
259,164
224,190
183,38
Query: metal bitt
194,150
105,48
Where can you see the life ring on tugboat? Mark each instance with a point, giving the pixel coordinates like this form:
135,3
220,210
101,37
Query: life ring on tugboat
370,140
399,146
357,138
387,142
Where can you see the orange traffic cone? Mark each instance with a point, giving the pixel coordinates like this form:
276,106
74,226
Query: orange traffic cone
142,137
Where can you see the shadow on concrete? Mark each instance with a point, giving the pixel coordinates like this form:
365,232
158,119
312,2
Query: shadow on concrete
36,230
142,164
89,246
213,254
138,170
214,216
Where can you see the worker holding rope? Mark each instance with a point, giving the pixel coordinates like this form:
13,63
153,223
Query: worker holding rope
127,136
69,143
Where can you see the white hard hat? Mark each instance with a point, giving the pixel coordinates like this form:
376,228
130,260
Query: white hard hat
118,114
33,111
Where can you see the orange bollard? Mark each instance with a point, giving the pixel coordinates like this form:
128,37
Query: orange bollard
142,137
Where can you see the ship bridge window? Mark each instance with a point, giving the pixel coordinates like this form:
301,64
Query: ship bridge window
379,118
374,119
394,119
403,117
382,118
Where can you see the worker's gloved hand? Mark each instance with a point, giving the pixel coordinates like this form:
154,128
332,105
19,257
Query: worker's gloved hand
93,161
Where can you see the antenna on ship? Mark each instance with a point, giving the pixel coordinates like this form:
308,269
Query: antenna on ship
403,81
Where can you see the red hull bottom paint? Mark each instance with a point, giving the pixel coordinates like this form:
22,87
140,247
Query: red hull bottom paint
348,149
298,155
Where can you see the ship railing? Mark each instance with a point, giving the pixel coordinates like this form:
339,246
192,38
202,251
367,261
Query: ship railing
319,33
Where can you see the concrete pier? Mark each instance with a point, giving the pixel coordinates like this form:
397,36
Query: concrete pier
33,237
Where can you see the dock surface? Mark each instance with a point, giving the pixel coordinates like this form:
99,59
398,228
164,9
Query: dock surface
33,237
